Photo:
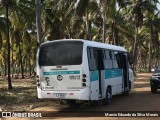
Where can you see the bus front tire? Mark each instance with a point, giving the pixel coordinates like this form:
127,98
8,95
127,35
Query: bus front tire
126,93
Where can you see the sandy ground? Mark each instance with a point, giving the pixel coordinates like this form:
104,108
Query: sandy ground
140,99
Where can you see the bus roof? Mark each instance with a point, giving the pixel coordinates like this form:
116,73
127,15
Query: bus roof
92,44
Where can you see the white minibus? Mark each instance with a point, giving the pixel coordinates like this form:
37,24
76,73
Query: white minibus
75,69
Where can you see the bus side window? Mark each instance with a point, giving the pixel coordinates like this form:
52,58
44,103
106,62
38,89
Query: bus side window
117,55
110,55
115,60
91,59
107,60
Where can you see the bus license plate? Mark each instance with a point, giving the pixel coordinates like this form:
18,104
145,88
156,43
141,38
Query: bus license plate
60,95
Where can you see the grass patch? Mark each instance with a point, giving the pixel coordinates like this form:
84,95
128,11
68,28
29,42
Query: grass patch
10,98
22,95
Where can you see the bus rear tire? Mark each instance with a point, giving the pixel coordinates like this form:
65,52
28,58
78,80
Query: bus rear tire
108,98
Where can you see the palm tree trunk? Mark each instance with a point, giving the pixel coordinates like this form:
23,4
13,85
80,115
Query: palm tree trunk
30,70
21,62
116,33
5,63
8,44
140,61
38,22
12,62
88,26
157,48
135,47
150,45
113,35
104,28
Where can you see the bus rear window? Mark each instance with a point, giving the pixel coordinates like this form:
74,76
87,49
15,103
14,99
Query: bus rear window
61,53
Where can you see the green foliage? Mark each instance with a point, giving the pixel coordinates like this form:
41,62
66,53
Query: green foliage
81,19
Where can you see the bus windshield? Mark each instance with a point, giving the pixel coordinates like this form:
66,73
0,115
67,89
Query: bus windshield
61,53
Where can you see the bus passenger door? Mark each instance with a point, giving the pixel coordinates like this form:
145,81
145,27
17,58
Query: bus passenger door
100,67
124,65
96,73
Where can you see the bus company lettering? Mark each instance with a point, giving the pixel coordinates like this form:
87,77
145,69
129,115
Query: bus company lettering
73,87
74,77
48,87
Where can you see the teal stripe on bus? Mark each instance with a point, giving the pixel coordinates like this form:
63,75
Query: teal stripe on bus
94,75
61,72
112,73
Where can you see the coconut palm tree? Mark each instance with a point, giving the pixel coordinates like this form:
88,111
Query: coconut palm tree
150,13
20,17
135,13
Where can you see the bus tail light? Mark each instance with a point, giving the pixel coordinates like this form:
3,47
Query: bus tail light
37,76
84,84
84,75
38,84
84,80
71,93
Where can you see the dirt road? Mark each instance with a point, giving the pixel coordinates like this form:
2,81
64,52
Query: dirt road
140,99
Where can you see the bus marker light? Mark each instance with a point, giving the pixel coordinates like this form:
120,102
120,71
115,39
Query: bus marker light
71,93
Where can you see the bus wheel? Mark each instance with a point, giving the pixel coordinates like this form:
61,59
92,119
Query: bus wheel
71,102
108,98
126,93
